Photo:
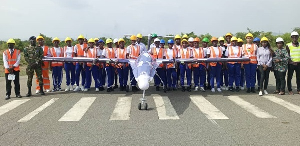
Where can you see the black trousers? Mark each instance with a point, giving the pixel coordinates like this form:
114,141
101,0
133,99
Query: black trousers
264,77
16,82
280,80
291,69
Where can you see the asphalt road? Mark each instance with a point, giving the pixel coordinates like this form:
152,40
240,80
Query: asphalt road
173,118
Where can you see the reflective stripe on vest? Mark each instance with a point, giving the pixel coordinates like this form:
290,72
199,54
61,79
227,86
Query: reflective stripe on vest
12,59
251,53
232,55
294,52
213,55
134,52
54,55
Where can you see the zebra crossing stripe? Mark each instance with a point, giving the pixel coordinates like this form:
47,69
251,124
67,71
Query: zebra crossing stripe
250,107
164,108
78,110
283,103
38,110
11,105
122,109
209,110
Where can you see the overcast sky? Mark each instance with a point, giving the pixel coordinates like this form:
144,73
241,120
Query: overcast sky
114,18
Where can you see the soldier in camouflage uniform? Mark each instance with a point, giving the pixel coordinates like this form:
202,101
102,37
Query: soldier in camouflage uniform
33,56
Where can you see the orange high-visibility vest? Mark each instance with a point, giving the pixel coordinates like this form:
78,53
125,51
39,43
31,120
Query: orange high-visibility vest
110,54
213,55
12,59
231,54
89,54
80,51
121,56
198,56
53,53
158,56
251,53
46,63
134,53
169,65
186,56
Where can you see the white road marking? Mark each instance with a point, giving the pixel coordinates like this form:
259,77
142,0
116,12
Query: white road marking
38,110
209,110
288,105
78,110
122,109
250,107
11,105
164,108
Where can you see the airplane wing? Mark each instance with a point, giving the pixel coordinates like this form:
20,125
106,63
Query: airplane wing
159,61
64,59
190,60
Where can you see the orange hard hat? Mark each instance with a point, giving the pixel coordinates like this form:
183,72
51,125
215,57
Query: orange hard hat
214,39
196,39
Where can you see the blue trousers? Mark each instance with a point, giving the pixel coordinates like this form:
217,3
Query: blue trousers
234,74
133,81
199,75
242,81
70,69
110,72
102,75
215,72
185,70
79,70
171,77
123,76
93,70
258,76
162,74
224,77
250,73
57,76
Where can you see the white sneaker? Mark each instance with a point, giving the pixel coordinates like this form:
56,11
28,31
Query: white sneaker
265,92
86,89
47,90
242,88
37,91
202,89
213,90
67,88
196,88
223,88
77,88
260,93
71,87
219,90
82,88
97,89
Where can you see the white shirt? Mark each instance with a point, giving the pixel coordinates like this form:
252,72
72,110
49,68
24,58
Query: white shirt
68,52
100,52
216,49
169,53
235,51
48,53
105,52
5,59
142,46
184,52
57,51
121,50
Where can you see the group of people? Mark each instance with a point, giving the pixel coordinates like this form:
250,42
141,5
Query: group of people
230,76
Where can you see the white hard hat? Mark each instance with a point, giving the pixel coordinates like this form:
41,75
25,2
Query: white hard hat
294,33
116,40
156,40
279,40
191,39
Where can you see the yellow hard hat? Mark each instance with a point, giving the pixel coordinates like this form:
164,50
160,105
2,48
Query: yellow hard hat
228,34
133,38
91,40
240,40
184,36
264,39
68,39
139,36
108,41
11,41
80,37
221,39
234,39
121,40
183,40
56,39
39,37
249,35
96,39
177,36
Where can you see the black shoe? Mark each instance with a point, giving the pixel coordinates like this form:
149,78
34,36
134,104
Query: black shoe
189,89
7,97
108,89
183,89
116,86
248,90
258,88
253,89
174,89
157,88
231,89
208,87
29,92
101,89
42,90
237,89
19,96
121,88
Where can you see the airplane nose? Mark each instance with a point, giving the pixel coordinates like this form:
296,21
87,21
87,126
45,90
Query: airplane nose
143,84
